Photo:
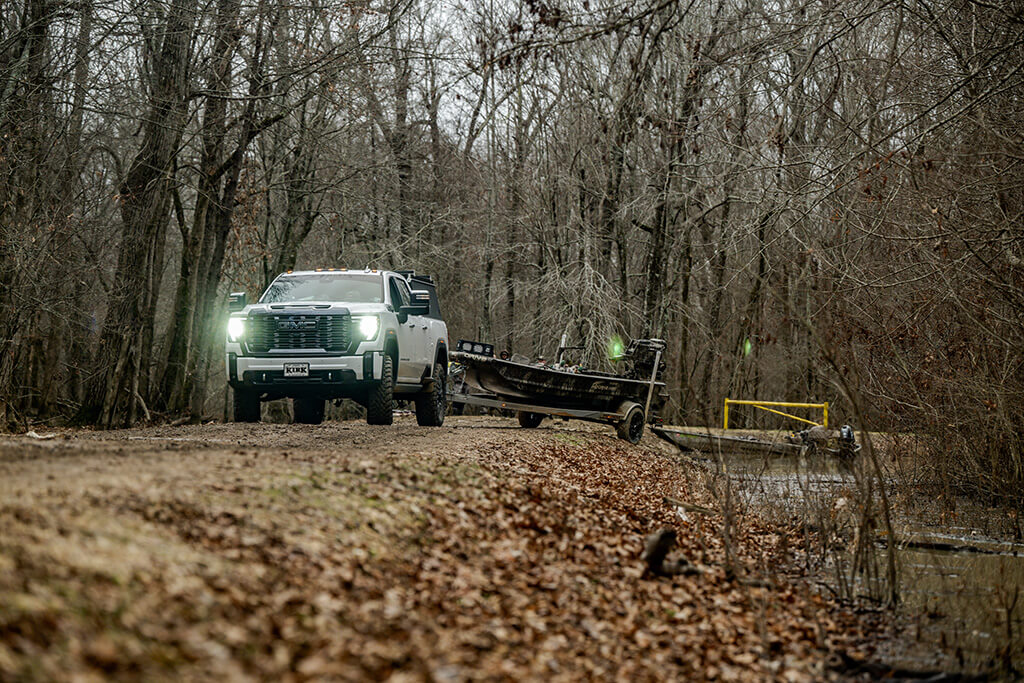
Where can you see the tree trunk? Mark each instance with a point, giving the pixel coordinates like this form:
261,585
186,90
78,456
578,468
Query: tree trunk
145,198
196,244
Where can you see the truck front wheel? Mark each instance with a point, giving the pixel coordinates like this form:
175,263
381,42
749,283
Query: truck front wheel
247,405
380,401
308,411
432,405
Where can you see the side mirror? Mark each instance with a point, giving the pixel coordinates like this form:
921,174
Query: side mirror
236,301
414,310
420,303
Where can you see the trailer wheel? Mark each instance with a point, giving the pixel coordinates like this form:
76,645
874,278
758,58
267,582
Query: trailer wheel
529,420
631,428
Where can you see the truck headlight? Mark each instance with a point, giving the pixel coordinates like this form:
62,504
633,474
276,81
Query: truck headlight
368,325
236,328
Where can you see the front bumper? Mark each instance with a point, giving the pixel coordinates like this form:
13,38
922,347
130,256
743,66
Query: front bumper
333,376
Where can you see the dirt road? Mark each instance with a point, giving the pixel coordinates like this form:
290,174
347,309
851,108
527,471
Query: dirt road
475,550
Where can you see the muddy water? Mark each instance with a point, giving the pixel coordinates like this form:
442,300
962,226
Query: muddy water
971,603
960,582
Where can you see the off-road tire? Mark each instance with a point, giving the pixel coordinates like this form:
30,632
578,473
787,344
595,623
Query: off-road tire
529,420
246,405
380,403
308,411
432,405
631,429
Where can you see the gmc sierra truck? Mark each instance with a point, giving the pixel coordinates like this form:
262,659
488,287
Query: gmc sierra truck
315,336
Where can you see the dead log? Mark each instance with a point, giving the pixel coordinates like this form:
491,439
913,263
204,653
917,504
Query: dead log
689,507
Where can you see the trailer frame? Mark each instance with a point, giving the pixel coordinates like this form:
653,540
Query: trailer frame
629,420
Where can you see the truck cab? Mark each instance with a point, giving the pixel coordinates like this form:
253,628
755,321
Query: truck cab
328,334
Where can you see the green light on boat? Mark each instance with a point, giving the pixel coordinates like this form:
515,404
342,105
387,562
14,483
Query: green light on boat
747,347
615,348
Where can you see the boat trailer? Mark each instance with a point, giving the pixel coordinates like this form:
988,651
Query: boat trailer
536,391
627,420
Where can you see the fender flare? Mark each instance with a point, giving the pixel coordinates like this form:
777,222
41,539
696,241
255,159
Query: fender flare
391,342
440,349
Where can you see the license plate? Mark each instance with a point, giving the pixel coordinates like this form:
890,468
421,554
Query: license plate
296,369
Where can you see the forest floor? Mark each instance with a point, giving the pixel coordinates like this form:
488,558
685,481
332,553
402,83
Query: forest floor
475,550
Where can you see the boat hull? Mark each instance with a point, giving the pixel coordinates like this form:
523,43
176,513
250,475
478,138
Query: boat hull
546,386
709,443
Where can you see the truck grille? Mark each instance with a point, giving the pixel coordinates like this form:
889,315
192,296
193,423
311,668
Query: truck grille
288,332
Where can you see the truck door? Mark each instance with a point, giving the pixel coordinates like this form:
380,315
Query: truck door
424,358
410,336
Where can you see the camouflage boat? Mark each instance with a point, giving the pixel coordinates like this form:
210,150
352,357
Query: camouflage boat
558,386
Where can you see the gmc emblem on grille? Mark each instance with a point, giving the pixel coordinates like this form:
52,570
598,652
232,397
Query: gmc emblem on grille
296,325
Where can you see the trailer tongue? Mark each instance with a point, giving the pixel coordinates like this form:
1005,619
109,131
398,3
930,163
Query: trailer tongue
536,390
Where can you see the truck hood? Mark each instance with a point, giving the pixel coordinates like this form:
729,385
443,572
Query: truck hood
312,308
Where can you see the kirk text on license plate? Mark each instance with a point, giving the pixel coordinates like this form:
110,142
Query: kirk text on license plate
296,369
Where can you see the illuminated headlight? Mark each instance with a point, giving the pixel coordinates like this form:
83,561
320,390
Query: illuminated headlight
236,328
368,325
478,348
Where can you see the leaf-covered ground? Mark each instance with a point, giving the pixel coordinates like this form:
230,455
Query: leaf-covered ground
474,551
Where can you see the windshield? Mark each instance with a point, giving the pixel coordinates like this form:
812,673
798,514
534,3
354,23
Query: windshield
345,287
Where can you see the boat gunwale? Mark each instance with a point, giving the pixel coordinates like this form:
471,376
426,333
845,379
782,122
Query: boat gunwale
457,355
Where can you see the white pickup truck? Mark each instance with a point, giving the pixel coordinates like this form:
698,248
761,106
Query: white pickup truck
328,334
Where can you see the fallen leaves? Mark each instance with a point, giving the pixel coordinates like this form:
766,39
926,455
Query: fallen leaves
478,554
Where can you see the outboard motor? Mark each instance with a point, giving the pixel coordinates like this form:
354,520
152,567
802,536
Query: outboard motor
847,441
641,354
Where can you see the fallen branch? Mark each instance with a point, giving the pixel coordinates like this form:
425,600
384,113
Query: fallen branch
876,670
944,546
689,507
142,404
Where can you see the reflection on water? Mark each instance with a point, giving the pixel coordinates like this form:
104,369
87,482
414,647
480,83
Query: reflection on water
969,601
962,590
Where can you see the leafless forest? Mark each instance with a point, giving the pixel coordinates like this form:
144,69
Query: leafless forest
808,199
